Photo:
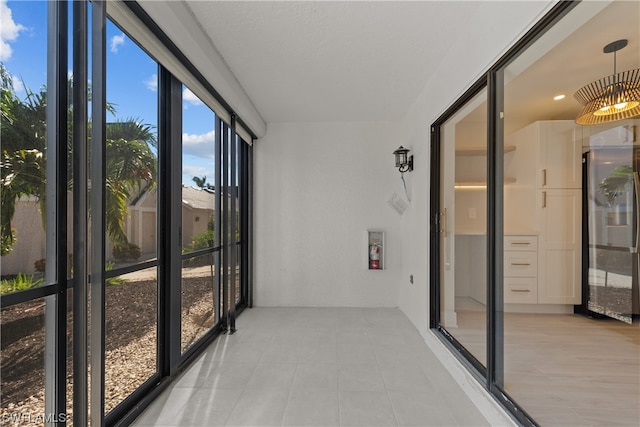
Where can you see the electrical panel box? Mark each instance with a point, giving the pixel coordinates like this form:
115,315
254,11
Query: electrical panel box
375,249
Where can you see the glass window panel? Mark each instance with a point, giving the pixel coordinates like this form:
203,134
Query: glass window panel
69,368
198,217
22,382
561,366
238,270
131,325
198,316
131,299
131,152
23,67
464,218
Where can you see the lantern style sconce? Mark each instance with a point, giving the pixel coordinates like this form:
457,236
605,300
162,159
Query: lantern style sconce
404,162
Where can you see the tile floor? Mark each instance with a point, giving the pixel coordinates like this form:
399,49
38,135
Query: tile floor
316,367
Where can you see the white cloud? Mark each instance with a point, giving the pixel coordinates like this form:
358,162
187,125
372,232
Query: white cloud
190,97
152,83
116,42
9,30
18,86
190,171
199,145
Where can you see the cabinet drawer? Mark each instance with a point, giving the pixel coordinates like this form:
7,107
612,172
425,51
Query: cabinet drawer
520,264
520,290
520,243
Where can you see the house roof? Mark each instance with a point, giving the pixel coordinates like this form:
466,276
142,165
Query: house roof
197,198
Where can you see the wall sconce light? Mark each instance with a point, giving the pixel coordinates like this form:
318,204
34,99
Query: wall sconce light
404,162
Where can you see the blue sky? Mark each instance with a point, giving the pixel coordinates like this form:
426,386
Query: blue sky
131,79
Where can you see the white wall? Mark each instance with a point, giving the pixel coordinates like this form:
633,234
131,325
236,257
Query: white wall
318,188
467,59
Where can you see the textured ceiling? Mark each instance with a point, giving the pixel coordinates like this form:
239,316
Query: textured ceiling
338,61
324,61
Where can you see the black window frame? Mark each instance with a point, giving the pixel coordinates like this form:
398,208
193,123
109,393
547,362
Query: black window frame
170,361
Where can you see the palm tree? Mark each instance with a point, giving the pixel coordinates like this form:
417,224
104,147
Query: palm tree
130,160
200,182
614,184
130,169
22,170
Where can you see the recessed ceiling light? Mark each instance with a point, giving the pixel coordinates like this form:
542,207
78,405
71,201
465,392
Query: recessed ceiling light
558,97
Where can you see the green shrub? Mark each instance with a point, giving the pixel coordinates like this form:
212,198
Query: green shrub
113,280
203,240
7,241
19,283
200,241
126,252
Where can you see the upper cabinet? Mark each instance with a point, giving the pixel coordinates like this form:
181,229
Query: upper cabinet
559,154
548,156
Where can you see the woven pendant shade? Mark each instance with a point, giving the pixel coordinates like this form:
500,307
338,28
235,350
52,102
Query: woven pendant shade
612,98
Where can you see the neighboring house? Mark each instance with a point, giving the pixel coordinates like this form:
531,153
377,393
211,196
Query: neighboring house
141,222
140,225
197,208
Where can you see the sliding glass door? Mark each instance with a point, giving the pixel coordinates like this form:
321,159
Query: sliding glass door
554,186
463,225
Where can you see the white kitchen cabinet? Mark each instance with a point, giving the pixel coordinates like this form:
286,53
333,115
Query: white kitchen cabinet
559,213
545,201
520,269
520,264
560,249
559,154
520,290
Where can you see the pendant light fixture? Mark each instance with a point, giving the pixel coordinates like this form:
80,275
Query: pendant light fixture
615,97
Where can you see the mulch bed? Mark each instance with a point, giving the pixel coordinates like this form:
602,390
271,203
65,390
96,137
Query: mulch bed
130,357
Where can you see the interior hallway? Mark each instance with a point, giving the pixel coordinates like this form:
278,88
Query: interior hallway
320,367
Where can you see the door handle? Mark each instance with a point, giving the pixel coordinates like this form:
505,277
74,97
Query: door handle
636,185
544,177
443,222
544,199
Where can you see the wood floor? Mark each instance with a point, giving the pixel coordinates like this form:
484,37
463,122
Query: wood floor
564,369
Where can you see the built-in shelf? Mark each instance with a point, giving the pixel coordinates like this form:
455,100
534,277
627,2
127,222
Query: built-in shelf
461,185
480,151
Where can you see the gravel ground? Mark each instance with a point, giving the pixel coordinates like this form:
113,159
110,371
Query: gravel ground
130,345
